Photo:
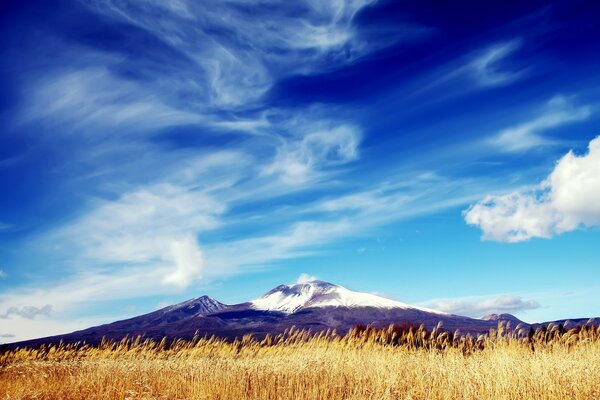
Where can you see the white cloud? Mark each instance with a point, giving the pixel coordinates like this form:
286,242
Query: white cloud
28,312
558,111
238,58
297,161
155,225
25,329
565,201
188,261
91,285
482,69
95,100
6,335
306,278
479,306
486,69
336,218
2,274
293,241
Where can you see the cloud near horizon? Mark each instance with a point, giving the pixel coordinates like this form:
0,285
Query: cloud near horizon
7,335
28,312
565,201
479,307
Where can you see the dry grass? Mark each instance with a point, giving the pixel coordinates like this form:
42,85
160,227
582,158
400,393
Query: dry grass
365,364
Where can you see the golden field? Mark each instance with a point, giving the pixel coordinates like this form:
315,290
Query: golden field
394,363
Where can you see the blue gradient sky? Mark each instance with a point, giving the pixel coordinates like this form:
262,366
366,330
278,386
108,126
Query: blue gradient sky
152,151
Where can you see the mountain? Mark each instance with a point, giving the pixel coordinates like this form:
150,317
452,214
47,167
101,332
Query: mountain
202,305
320,294
503,317
156,323
315,305
199,306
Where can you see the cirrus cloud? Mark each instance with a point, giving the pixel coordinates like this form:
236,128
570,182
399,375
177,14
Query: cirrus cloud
297,161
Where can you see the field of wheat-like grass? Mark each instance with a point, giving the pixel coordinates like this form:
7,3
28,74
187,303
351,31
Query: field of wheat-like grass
393,363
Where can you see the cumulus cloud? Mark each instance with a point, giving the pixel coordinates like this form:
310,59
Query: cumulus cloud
478,307
28,312
563,202
559,110
306,278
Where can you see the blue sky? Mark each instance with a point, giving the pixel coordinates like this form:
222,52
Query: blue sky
152,151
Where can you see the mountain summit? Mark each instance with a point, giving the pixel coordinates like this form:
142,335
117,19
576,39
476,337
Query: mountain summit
318,294
201,305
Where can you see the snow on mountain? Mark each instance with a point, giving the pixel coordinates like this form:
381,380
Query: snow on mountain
316,294
199,305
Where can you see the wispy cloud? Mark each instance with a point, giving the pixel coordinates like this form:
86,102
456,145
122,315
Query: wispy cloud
484,68
563,202
297,161
239,57
325,221
28,312
306,278
6,335
558,111
24,329
94,100
478,307
2,274
152,225
487,68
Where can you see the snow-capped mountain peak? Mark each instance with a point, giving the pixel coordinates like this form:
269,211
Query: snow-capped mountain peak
199,305
316,294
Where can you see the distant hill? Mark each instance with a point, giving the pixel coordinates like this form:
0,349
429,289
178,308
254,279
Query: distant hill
503,317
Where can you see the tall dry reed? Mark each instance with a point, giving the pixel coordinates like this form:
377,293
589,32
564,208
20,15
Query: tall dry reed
393,363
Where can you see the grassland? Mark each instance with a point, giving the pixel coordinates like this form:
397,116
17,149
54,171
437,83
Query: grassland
394,363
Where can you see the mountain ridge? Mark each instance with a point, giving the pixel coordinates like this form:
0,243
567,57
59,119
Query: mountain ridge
316,306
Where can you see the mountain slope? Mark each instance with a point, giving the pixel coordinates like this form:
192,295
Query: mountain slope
203,305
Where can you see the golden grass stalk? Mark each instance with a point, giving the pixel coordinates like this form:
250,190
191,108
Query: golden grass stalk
392,363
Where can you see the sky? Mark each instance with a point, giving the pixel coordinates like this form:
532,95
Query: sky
445,154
